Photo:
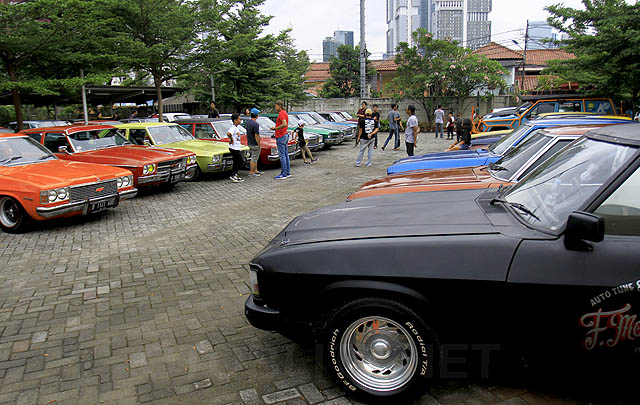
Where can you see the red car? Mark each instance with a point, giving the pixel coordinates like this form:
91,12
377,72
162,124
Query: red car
104,144
215,129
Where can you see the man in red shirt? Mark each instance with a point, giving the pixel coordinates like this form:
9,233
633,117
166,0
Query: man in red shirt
282,139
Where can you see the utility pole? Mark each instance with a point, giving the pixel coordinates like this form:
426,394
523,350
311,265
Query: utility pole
84,99
524,56
363,56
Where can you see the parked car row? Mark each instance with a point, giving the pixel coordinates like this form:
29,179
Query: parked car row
58,169
534,252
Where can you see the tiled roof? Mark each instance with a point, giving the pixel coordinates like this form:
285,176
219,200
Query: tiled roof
318,72
530,83
497,52
388,65
541,56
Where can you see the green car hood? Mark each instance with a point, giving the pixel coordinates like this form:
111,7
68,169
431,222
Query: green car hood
200,147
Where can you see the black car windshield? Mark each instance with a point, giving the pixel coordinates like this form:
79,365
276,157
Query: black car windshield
307,118
337,117
318,117
524,107
222,127
16,151
515,158
566,181
169,133
500,147
266,124
97,139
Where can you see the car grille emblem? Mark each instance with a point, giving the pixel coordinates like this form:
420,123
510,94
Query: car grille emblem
99,189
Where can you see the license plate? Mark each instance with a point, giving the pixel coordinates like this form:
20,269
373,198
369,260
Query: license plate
102,205
177,177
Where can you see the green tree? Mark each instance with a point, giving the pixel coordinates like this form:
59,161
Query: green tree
253,69
605,38
433,72
42,44
155,36
344,74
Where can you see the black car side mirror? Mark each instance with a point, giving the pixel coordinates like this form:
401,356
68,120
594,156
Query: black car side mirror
583,227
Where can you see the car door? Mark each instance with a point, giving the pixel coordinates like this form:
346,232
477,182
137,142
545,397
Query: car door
54,140
585,300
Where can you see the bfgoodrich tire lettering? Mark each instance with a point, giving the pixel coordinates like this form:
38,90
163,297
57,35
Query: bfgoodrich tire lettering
378,350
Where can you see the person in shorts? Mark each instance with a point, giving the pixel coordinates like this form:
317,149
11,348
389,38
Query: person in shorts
304,147
235,148
253,142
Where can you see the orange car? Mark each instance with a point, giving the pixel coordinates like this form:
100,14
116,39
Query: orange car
539,146
105,145
34,184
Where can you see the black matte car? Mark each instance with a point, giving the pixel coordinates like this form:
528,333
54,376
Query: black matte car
389,284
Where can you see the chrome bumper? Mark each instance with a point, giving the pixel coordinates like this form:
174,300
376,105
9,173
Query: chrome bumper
50,212
275,158
166,177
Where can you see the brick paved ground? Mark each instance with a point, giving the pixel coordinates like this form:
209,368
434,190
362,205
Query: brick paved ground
145,303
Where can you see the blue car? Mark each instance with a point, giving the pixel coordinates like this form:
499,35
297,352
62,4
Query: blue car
481,157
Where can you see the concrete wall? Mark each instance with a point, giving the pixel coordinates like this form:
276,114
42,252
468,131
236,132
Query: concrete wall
353,104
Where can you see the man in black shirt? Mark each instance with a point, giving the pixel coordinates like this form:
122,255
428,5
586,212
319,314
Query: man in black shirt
253,142
376,117
304,147
213,112
367,131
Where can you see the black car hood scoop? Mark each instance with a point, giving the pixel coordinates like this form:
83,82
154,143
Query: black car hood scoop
395,215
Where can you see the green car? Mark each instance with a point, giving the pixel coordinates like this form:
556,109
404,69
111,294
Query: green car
329,136
212,156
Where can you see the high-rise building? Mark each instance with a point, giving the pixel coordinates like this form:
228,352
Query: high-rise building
538,32
344,37
329,48
466,21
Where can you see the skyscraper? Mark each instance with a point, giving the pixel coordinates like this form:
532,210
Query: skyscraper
538,32
344,37
466,21
329,48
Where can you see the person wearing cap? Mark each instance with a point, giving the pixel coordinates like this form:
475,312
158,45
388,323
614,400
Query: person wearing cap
253,142
366,132
307,157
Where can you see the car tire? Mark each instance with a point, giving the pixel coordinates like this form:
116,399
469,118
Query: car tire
379,350
13,218
195,176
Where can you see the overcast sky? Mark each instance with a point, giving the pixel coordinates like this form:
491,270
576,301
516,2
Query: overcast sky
312,21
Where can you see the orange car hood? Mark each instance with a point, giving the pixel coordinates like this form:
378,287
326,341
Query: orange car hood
60,173
429,180
133,155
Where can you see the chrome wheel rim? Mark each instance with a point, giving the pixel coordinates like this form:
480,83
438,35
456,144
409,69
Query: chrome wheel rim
9,212
378,353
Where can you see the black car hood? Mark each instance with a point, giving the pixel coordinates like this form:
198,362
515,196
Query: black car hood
394,215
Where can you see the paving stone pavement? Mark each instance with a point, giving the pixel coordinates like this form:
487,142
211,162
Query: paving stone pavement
144,303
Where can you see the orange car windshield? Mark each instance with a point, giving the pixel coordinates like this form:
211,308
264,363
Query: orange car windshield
97,139
21,151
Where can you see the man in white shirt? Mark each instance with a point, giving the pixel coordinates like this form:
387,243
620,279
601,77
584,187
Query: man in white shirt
234,147
411,133
439,113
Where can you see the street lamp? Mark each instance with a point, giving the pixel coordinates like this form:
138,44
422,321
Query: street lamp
522,75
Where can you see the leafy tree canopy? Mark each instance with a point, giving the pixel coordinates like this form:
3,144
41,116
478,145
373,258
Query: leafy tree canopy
344,74
605,37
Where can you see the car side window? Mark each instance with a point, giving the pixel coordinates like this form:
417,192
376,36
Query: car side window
36,136
204,131
621,211
570,106
137,136
53,142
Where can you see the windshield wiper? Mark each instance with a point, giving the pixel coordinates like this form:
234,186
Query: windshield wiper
9,160
519,206
45,157
497,167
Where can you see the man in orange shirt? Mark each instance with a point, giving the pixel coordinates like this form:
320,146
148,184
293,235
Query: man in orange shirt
282,139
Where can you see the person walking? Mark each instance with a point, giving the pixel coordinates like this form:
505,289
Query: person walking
395,123
439,114
213,112
304,147
253,142
282,139
458,124
367,131
376,117
411,133
451,123
234,148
